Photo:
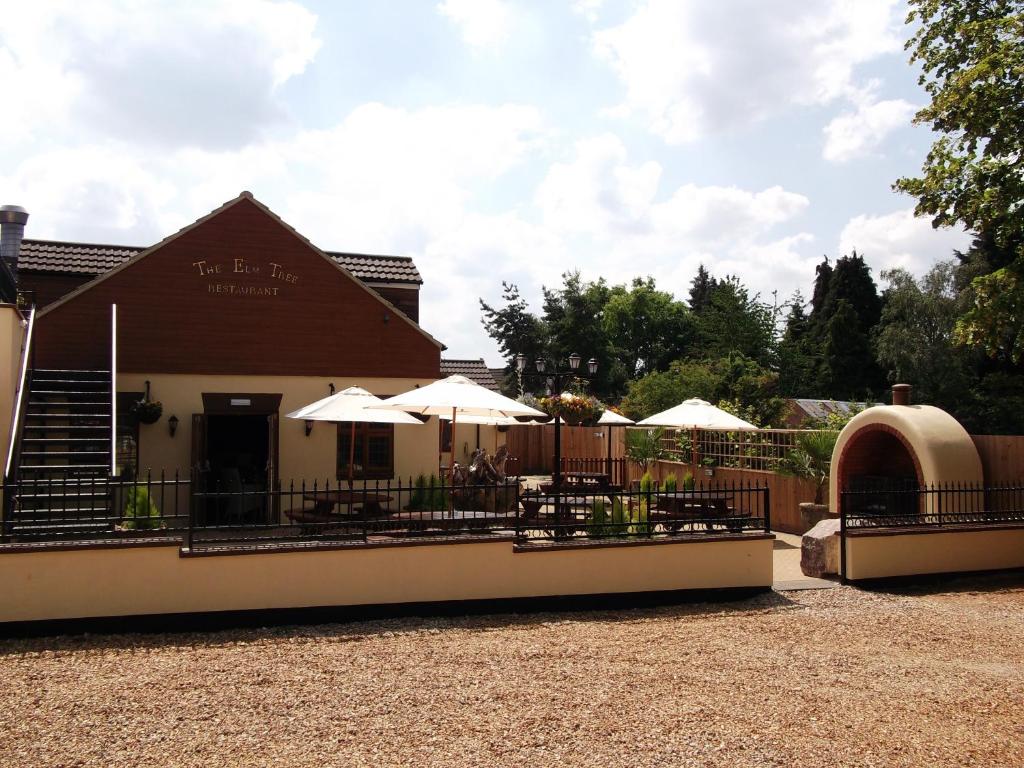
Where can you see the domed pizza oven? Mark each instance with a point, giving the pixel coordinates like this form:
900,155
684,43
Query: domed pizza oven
900,446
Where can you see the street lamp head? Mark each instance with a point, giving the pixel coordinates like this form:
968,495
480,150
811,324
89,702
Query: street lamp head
592,365
574,361
539,362
520,363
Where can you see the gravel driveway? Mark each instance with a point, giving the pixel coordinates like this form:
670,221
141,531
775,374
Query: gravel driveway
820,678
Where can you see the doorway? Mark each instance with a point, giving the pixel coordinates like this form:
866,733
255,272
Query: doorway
237,448
234,455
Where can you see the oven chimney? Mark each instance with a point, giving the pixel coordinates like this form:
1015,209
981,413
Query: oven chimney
12,229
901,394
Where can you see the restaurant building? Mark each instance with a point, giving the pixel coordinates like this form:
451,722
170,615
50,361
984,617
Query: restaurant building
230,323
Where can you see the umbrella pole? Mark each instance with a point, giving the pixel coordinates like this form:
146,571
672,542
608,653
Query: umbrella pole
351,462
451,470
610,478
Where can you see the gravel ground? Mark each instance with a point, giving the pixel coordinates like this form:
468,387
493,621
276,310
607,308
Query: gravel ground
819,678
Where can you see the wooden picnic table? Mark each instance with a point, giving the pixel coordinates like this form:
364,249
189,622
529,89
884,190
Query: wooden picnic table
576,478
675,509
325,501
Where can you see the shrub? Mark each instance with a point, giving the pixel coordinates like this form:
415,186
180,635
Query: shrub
647,483
418,497
643,446
688,482
438,496
140,513
811,459
600,523
671,484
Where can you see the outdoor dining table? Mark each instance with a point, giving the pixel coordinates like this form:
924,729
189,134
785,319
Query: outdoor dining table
597,480
673,510
325,501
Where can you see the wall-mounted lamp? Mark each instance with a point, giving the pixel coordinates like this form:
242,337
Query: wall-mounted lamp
172,425
309,427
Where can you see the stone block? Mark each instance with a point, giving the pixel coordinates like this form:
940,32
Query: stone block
819,549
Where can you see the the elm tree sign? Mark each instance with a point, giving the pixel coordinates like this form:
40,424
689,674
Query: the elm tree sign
237,277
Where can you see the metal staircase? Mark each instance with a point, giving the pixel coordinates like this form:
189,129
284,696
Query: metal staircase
64,455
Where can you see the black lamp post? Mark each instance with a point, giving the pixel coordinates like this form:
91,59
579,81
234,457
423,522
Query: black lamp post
556,379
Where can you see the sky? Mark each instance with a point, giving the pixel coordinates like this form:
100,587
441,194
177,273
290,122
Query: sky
490,140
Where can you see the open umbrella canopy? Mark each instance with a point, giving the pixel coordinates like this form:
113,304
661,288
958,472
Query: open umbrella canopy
459,394
491,421
351,404
613,419
697,414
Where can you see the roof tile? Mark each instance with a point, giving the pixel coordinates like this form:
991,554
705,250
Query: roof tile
94,259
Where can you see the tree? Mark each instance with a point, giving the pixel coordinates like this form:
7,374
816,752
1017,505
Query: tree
515,329
846,348
574,318
735,378
971,53
822,281
799,354
733,321
700,290
647,328
915,337
846,369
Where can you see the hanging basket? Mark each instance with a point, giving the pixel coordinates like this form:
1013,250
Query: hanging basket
574,410
147,411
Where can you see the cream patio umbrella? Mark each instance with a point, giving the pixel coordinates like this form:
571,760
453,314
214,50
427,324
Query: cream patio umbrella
612,419
457,397
694,414
483,421
351,405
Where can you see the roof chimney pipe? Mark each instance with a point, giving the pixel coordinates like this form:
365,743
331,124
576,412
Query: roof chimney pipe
901,394
12,229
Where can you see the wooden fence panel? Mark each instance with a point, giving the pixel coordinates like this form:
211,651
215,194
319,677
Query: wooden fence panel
1002,457
535,446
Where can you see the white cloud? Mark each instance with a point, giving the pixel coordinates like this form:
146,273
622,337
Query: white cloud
588,9
482,23
182,74
900,239
855,134
697,68
617,223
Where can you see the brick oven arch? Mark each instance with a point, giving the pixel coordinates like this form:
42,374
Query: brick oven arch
882,451
919,443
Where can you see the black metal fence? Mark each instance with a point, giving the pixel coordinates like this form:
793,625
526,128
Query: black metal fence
930,506
201,515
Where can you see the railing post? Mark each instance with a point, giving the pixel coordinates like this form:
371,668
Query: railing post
767,509
842,536
191,508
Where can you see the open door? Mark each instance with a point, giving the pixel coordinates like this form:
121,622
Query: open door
200,468
273,482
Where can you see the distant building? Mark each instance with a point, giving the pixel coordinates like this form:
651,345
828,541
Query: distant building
802,410
474,370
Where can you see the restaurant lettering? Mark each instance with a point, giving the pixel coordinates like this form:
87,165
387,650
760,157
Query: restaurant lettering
217,271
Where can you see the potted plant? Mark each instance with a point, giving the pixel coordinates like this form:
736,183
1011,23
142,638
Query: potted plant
146,411
811,459
644,446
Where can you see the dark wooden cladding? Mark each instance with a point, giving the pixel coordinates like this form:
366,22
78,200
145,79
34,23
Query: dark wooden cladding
304,317
48,287
408,301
